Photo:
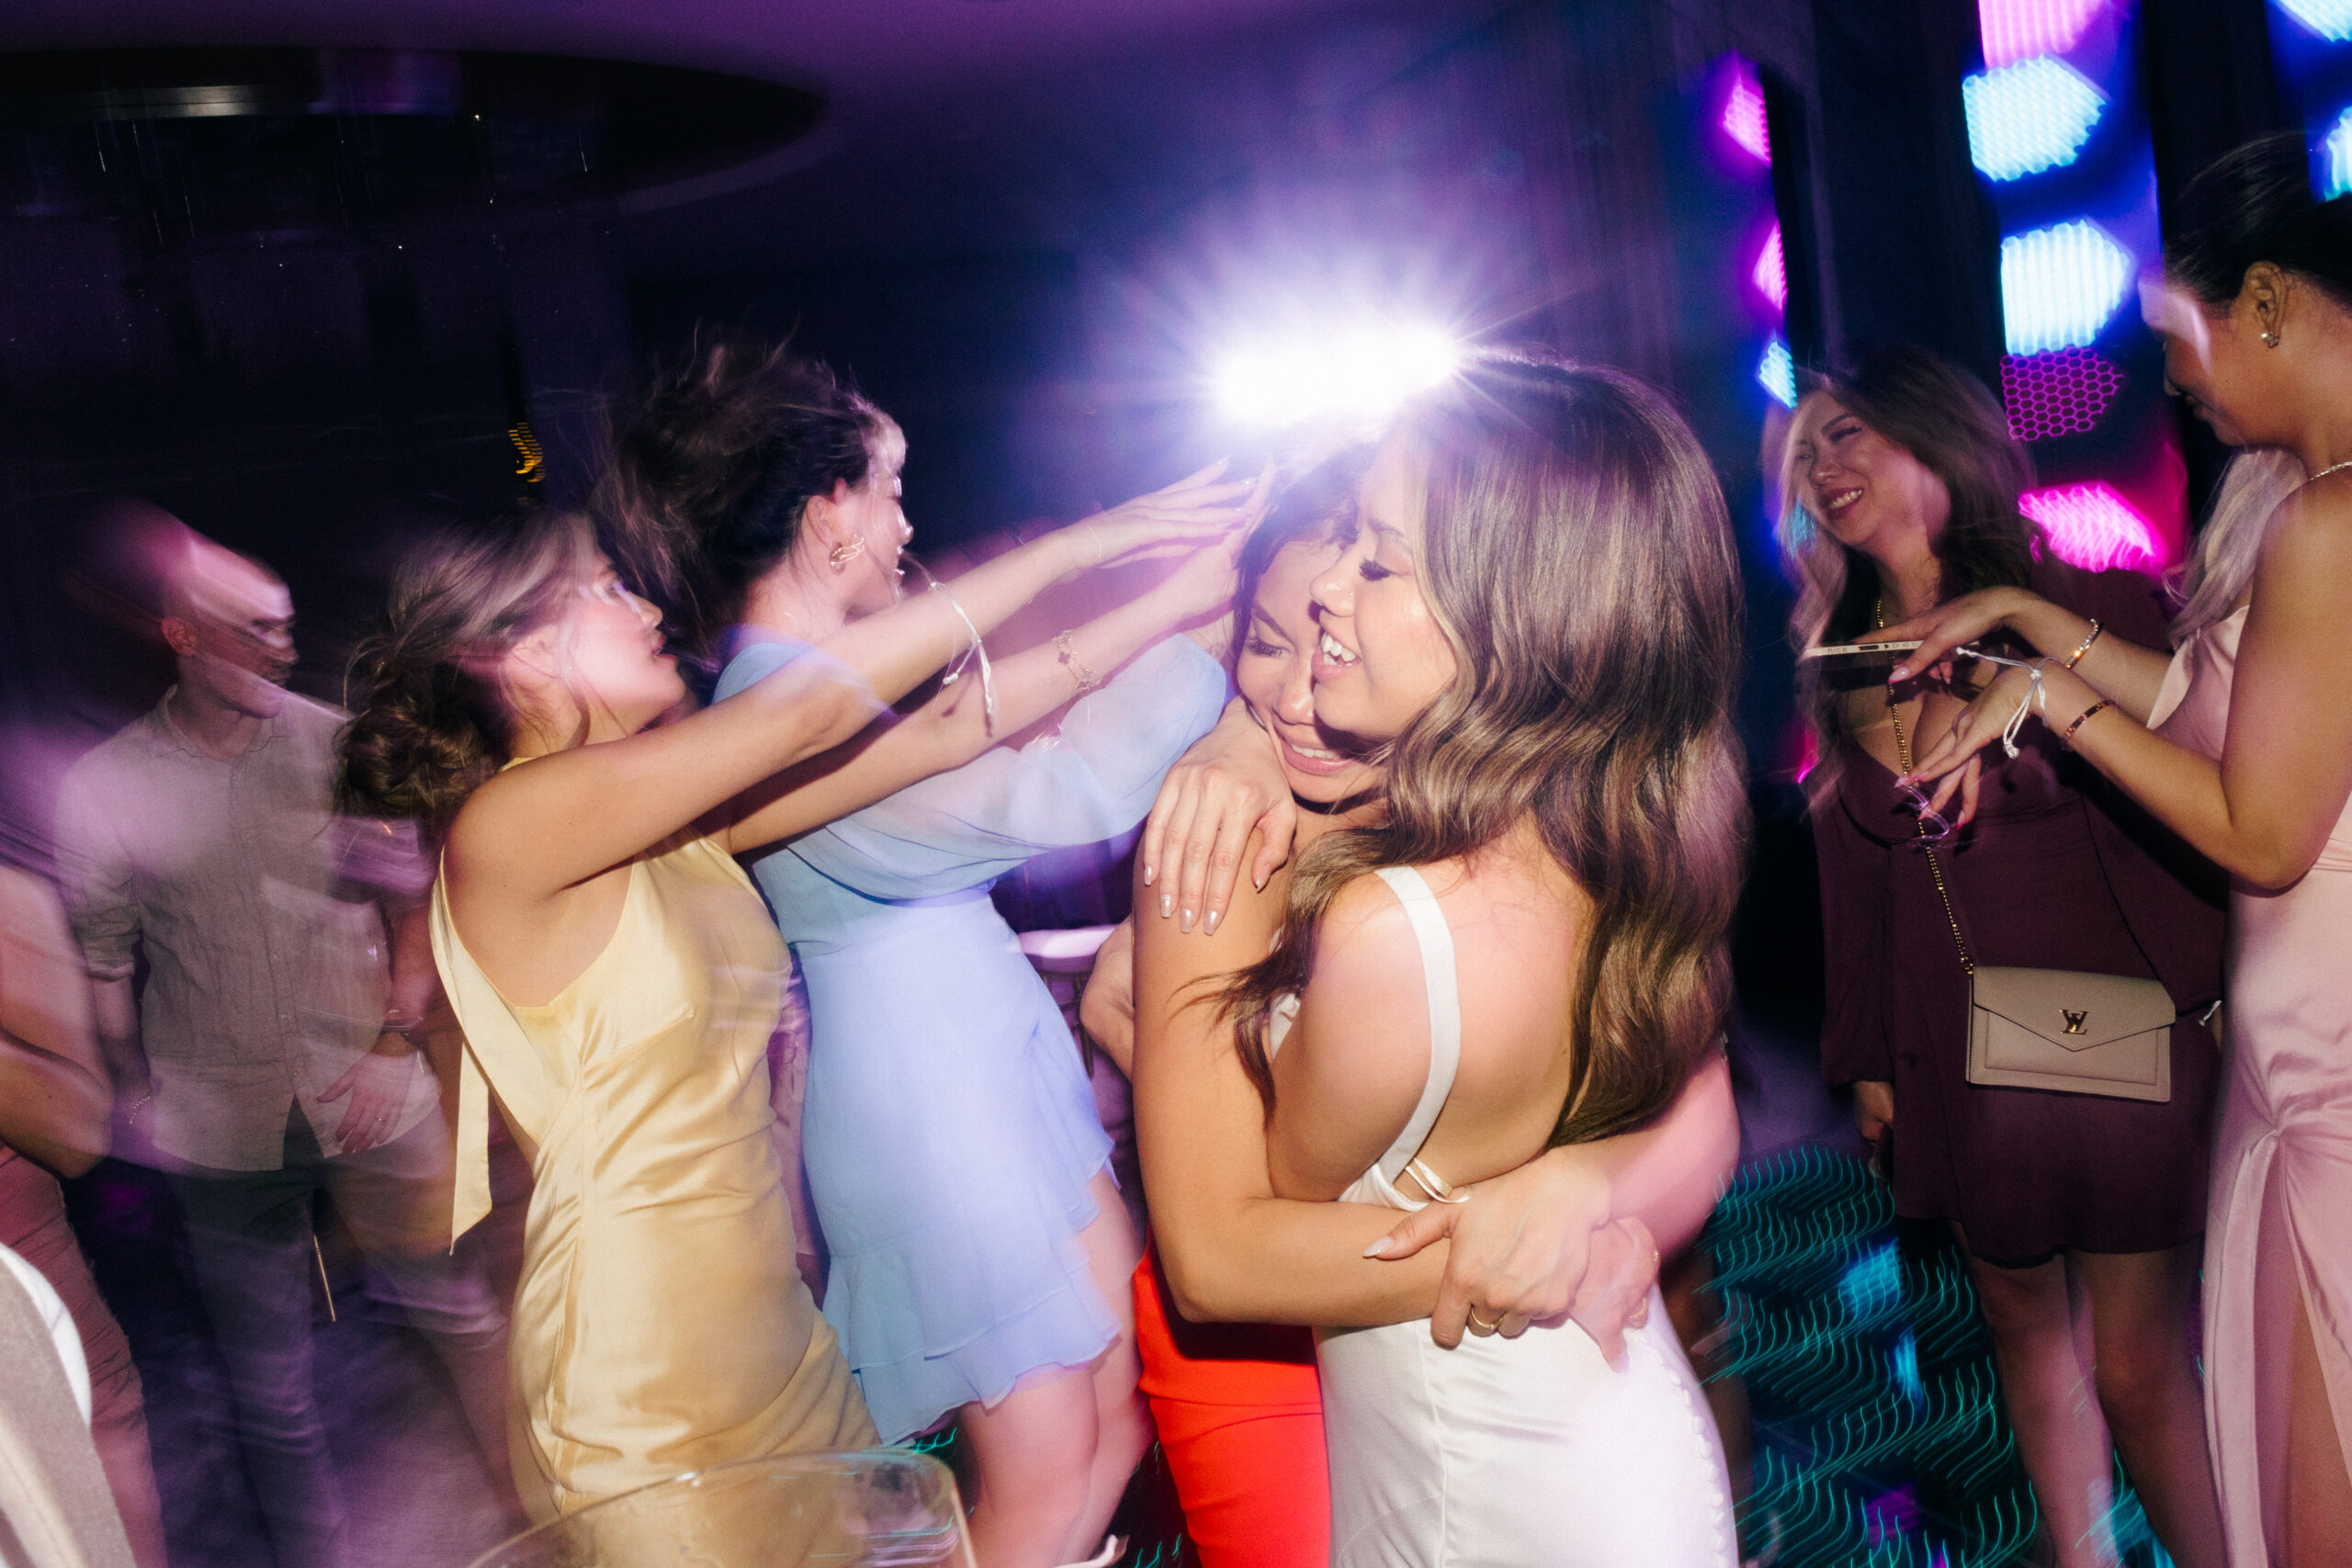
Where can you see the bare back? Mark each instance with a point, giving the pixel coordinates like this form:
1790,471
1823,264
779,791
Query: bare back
1356,1059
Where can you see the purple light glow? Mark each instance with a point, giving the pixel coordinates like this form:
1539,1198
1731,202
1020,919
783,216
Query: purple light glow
2063,393
1744,120
2019,30
1772,272
2091,526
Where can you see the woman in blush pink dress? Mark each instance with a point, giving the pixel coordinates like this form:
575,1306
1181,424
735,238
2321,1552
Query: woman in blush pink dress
2248,756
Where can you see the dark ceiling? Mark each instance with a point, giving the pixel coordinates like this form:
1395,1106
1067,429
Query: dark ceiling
942,126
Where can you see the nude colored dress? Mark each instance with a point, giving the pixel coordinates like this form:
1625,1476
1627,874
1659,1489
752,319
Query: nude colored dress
2282,1160
659,1325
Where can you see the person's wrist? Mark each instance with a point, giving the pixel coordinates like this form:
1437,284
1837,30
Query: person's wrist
1581,1187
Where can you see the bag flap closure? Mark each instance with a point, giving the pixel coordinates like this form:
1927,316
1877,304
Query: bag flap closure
2073,1010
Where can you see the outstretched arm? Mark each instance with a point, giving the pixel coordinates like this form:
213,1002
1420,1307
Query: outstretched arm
534,831
954,726
2263,811
2125,672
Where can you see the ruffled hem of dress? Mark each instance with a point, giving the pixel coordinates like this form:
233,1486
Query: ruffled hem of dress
952,1318
1069,1328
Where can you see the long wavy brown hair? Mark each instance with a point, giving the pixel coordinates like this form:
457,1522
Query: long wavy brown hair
1949,420
1578,557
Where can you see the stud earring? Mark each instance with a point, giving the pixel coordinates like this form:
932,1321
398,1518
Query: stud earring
2270,337
847,552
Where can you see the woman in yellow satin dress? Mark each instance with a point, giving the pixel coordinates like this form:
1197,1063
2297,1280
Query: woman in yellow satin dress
616,974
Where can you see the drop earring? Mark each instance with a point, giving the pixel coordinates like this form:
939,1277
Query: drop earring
846,552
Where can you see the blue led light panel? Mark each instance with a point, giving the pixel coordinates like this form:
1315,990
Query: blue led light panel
2337,176
2029,117
2060,285
1777,373
2330,19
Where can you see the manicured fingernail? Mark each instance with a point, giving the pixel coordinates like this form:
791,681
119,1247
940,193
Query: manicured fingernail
1149,871
1208,927
1378,1249
1186,924
1166,905
1900,672
1262,883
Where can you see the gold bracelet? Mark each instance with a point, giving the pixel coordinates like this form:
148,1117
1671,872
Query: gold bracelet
1087,679
2067,739
2076,657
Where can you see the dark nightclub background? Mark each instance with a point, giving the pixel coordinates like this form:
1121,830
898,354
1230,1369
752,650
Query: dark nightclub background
315,274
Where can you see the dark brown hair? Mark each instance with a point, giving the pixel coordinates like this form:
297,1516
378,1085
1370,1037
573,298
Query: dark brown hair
712,475
1578,557
1318,505
430,720
2254,204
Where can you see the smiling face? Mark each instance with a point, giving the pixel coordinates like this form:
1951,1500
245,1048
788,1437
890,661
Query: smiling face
1380,657
1274,673
607,652
1866,492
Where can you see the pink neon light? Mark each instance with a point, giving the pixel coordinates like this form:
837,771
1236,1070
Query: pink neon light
2063,393
1744,118
1772,274
2091,526
2019,30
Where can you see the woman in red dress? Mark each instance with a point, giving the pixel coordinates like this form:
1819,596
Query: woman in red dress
1238,1406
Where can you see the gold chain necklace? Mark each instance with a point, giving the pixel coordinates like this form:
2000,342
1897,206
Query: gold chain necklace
1903,755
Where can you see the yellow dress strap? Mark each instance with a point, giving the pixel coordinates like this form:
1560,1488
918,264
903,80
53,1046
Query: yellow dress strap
496,1048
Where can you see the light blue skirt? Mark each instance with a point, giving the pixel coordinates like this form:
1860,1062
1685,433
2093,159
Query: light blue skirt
951,1136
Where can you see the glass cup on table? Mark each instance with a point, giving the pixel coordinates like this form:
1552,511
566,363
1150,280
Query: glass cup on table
878,1508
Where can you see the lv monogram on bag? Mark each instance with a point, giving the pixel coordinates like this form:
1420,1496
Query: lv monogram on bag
2059,1029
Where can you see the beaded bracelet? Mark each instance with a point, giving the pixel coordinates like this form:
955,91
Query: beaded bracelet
2085,647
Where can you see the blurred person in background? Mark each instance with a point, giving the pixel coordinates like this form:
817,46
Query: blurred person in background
2241,742
2080,1212
980,1250
55,1111
270,1057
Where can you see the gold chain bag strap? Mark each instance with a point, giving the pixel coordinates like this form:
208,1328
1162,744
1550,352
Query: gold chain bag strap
2056,1028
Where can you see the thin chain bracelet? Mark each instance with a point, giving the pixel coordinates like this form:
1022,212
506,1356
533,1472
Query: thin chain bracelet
1087,679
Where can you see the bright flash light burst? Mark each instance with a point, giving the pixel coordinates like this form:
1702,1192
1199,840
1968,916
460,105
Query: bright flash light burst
1360,376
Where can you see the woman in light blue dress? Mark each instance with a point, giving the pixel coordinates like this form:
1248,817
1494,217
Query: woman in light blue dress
979,1251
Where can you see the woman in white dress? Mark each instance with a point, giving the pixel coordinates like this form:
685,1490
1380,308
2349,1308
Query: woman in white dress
1520,947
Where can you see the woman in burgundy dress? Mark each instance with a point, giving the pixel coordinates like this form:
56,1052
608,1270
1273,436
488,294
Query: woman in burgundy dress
1900,485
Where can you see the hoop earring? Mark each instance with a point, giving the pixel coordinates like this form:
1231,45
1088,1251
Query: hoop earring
846,552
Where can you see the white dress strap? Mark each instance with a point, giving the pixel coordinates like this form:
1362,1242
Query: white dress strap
1445,1018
